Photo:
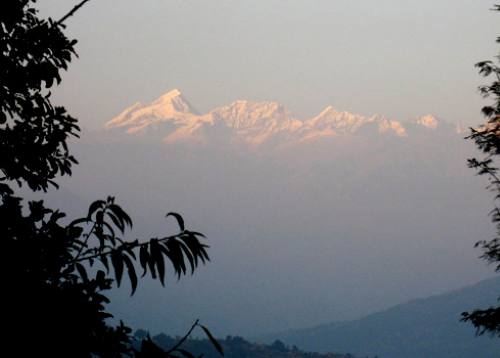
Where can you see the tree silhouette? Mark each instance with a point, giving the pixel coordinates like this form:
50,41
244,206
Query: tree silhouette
487,139
55,275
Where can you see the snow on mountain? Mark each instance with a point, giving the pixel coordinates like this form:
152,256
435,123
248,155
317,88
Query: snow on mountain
341,122
254,123
386,125
169,107
428,121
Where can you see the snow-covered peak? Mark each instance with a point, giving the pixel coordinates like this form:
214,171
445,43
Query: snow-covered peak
331,121
174,100
387,125
329,110
256,122
171,106
171,94
428,121
335,120
246,114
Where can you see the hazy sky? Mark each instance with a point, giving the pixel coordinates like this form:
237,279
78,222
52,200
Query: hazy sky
399,58
327,226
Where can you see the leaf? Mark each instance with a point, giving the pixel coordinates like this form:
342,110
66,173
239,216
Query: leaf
94,206
157,257
195,233
82,272
121,214
118,222
104,261
179,219
189,256
143,259
131,273
212,340
175,255
79,221
100,278
129,248
193,245
112,235
204,253
75,232
117,261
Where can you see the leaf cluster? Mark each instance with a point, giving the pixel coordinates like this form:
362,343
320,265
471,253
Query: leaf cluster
487,140
33,132
53,281
104,243
61,309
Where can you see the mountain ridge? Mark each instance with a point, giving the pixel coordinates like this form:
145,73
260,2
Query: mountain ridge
254,123
422,327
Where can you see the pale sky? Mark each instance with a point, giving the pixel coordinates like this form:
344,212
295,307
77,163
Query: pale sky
397,58
308,235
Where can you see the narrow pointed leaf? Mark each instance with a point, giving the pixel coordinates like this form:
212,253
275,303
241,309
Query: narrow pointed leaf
120,213
117,261
82,272
131,273
157,256
214,342
143,259
118,223
179,219
94,206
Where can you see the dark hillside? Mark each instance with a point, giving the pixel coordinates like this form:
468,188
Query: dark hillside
428,327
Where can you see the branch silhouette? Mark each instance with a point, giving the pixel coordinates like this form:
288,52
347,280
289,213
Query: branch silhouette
77,7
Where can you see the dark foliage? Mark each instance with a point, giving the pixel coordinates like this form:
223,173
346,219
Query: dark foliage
237,347
33,131
487,139
55,275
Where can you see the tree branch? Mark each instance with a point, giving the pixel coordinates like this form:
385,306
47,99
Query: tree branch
183,339
71,13
87,237
133,245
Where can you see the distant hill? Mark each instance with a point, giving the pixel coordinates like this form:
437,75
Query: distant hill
237,347
421,328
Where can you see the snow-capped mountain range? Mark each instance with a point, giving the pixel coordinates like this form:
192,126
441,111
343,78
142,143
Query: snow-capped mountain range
174,119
